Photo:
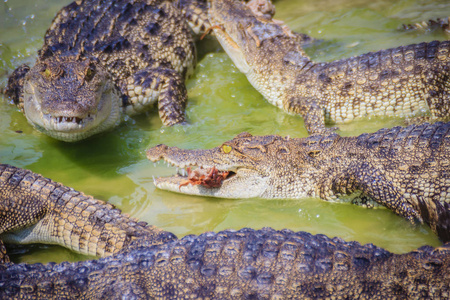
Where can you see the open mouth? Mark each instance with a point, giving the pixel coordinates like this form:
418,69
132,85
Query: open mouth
75,120
207,173
209,177
66,123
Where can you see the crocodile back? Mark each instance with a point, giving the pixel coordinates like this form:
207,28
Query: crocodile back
242,264
125,35
401,81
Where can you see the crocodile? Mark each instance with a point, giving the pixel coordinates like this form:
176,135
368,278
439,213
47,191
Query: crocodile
430,25
231,264
405,169
35,209
102,60
406,81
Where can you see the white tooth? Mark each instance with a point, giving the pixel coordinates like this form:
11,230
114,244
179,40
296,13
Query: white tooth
154,164
183,172
154,181
177,170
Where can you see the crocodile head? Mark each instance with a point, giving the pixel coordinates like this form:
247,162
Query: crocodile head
248,33
234,26
70,98
265,50
244,167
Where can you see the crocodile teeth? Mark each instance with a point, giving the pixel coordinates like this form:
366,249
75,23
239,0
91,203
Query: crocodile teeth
69,119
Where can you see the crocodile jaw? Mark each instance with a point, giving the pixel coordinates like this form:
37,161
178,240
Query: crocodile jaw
69,126
245,183
241,182
232,49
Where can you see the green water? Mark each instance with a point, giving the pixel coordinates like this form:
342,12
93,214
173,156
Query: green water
222,104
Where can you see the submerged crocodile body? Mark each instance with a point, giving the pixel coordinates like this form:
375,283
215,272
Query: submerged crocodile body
430,25
404,169
102,59
243,264
403,81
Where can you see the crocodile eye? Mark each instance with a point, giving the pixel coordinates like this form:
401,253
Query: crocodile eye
90,72
47,73
226,149
313,153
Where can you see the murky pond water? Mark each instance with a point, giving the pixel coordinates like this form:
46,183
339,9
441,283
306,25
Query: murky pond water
222,104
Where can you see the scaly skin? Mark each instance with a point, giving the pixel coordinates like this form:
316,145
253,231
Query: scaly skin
34,209
99,62
244,264
403,81
263,264
404,169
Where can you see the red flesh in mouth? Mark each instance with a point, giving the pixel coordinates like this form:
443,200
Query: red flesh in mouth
210,177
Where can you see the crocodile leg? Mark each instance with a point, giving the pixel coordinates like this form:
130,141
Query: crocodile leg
439,94
196,14
371,182
35,209
312,113
4,258
14,89
165,85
